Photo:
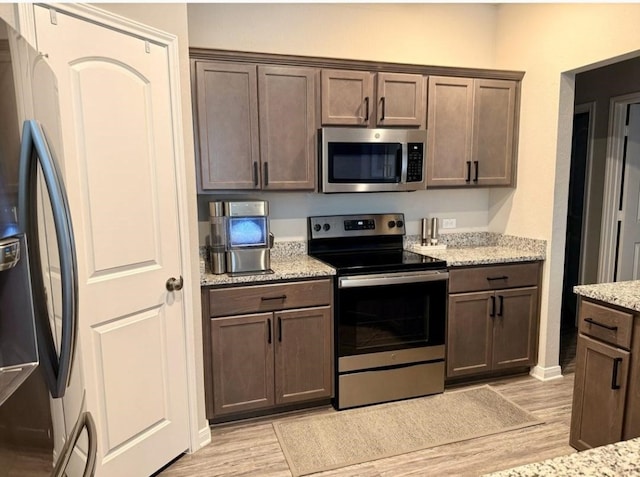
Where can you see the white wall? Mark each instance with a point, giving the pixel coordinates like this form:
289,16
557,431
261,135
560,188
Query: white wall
7,13
443,35
547,40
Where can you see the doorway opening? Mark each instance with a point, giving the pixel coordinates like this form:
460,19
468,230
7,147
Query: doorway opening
602,98
620,246
580,154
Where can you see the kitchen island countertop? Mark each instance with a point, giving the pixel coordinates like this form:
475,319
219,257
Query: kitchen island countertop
625,294
613,460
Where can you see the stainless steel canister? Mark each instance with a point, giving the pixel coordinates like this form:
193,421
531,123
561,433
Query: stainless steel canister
218,238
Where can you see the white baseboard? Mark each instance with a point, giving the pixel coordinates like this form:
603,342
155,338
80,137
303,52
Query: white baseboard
204,435
546,374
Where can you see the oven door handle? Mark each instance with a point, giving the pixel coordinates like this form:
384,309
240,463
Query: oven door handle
382,279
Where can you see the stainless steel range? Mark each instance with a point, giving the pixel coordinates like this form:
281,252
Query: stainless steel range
390,309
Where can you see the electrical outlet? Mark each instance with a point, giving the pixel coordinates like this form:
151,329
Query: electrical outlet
448,223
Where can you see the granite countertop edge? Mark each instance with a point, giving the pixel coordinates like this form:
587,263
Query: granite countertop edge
625,294
621,458
284,268
482,248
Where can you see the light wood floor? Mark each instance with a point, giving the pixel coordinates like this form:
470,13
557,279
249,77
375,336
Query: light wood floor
252,449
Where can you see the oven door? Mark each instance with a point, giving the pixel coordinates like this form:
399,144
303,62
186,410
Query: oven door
388,312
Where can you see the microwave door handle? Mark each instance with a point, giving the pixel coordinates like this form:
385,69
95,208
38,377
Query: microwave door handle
35,150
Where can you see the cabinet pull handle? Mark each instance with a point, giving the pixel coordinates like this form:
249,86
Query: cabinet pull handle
269,330
255,173
493,306
468,172
266,174
591,321
279,297
366,110
477,165
503,277
279,329
501,308
382,100
614,376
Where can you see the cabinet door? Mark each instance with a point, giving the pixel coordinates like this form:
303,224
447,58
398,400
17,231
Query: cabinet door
449,129
303,354
242,363
493,131
117,128
469,333
400,100
226,100
599,394
287,127
347,97
515,328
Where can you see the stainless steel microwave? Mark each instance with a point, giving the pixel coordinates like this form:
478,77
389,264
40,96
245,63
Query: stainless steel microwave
372,160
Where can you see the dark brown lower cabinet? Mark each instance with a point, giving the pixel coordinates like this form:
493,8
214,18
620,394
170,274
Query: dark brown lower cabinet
267,359
599,394
606,395
492,321
491,331
242,362
303,355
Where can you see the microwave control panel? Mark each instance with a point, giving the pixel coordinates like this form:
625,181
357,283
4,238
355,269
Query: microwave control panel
415,161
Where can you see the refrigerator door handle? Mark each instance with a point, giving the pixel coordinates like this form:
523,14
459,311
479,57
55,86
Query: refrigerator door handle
34,150
84,422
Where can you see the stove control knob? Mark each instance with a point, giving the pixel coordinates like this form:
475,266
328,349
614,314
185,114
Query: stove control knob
326,227
317,227
391,224
399,223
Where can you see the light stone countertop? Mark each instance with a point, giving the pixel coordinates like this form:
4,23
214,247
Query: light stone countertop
482,248
624,294
614,460
289,261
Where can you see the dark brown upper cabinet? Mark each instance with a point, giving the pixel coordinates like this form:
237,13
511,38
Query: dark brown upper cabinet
256,117
362,98
472,132
256,126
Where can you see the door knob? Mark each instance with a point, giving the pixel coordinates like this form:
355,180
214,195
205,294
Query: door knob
174,284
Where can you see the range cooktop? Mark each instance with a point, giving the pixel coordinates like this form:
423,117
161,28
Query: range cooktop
387,260
369,243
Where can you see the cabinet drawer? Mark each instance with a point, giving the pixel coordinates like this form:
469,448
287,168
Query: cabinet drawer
256,298
606,324
493,277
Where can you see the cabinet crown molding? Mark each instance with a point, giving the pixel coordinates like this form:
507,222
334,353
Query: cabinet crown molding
339,63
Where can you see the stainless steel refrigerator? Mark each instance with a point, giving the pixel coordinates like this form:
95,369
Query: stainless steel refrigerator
39,430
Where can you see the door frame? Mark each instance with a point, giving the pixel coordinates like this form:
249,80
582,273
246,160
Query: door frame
613,183
589,108
26,22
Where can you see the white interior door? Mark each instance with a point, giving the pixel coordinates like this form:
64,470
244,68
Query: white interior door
121,182
629,237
